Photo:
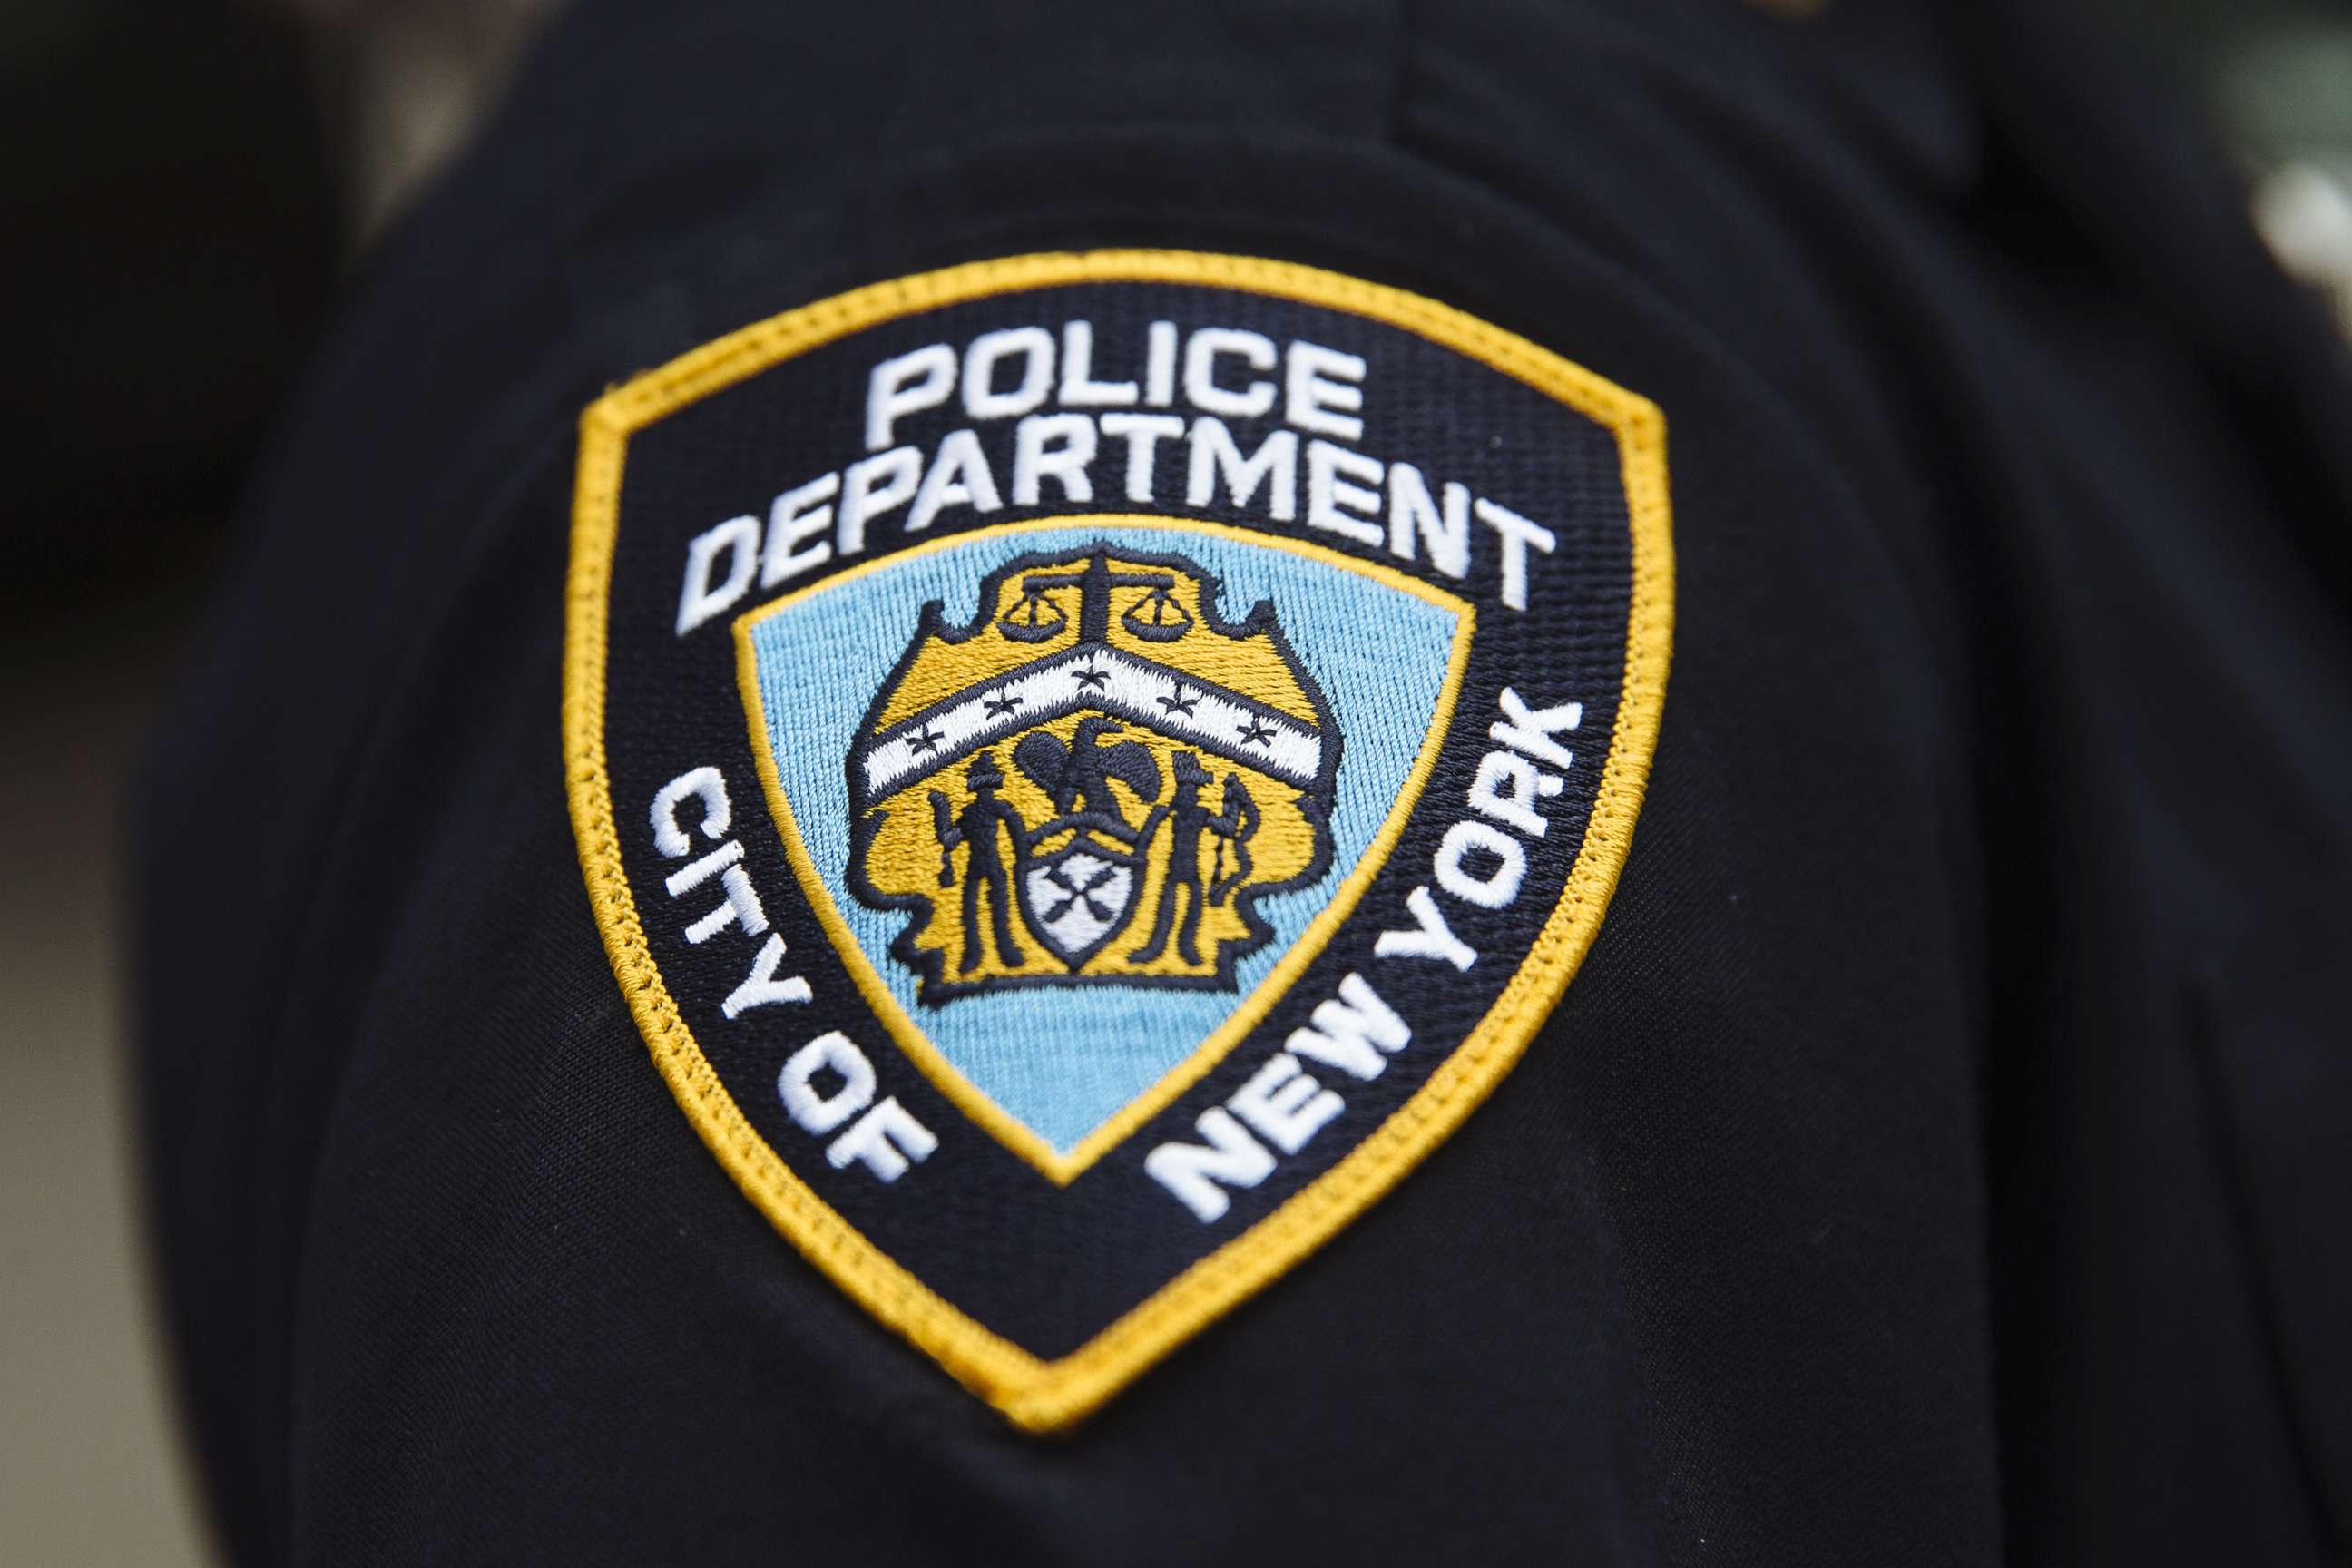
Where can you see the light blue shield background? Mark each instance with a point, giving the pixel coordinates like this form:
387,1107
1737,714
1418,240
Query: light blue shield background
1065,1059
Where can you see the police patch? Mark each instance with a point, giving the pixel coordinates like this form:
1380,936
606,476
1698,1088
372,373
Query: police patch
1090,765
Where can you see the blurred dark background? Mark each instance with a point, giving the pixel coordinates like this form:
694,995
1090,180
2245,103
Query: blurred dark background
185,190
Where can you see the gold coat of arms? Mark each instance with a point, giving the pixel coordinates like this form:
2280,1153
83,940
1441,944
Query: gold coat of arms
1092,781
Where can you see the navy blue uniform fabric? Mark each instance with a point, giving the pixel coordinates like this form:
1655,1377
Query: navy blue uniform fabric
1937,1159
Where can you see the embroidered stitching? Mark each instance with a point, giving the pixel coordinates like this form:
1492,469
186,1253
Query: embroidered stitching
1039,1394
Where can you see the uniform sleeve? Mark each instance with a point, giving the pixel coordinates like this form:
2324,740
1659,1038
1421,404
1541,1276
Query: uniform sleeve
622,865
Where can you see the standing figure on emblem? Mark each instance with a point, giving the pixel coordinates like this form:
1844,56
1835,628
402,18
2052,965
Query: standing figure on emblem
976,827
1232,824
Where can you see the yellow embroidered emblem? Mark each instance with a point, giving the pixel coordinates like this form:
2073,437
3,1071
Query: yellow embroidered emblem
1093,781
1201,706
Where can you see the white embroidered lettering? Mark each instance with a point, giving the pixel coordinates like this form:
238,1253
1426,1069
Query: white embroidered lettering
1201,388
700,599
1160,364
1079,389
907,384
1056,447
798,522
1413,516
870,488
958,476
761,987
1317,379
1284,1105
885,1141
1517,533
816,1110
1430,938
1355,1033
1142,433
1506,788
1034,348
1274,465
1497,887
1531,729
1198,1175
1340,496
704,785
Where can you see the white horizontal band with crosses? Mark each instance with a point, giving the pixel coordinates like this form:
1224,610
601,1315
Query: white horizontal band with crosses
1108,680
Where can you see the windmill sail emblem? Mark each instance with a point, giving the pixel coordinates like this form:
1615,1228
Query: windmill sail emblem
1093,782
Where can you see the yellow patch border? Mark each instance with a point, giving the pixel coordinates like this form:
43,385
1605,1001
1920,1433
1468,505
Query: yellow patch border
1057,1166
1036,1393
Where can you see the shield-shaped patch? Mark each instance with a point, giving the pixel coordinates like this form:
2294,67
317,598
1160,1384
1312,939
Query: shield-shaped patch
979,815
1130,746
